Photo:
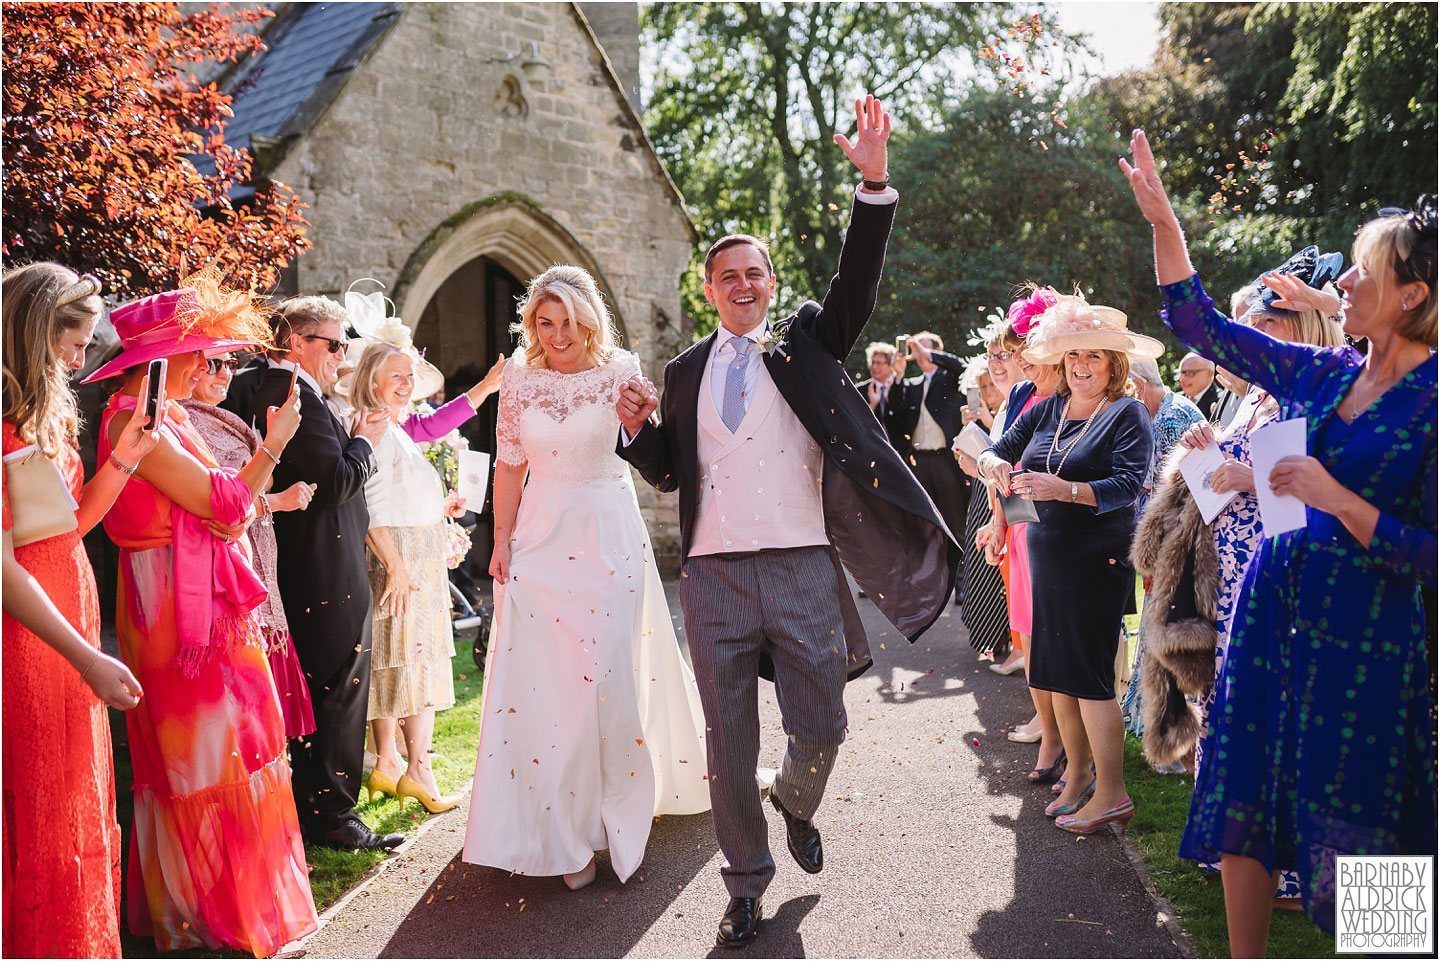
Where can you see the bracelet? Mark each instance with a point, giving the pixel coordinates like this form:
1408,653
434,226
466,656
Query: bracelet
95,657
1074,491
265,509
270,455
115,463
876,185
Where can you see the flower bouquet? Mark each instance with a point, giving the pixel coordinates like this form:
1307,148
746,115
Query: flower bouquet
457,543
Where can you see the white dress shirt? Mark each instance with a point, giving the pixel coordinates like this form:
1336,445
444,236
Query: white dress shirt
928,435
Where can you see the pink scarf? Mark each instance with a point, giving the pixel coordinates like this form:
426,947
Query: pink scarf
215,586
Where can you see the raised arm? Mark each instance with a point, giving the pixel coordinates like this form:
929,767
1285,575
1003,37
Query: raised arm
850,300
1258,358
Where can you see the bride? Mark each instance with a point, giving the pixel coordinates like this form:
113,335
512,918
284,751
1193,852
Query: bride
590,720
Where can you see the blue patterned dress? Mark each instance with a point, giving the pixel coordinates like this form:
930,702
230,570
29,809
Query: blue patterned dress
1320,738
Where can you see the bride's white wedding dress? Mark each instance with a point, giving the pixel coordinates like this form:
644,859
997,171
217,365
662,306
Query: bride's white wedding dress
590,720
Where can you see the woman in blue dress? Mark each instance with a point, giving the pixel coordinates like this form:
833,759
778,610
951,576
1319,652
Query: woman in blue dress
1321,731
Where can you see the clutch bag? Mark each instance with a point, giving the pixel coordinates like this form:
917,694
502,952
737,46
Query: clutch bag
1017,510
41,505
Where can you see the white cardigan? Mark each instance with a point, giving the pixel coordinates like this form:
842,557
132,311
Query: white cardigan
405,490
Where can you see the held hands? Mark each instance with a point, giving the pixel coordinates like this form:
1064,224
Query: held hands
500,560
1145,181
1233,475
397,590
370,424
296,497
454,504
1305,478
872,130
637,401
282,422
1197,437
135,441
112,681
1040,486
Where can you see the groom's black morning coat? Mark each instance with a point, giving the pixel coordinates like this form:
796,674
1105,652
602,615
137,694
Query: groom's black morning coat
882,525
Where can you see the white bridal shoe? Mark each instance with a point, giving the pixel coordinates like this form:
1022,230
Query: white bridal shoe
582,877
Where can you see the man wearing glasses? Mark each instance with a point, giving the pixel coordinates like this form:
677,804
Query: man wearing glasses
321,568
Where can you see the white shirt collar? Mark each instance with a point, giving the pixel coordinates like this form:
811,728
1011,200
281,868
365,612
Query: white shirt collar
727,337
304,374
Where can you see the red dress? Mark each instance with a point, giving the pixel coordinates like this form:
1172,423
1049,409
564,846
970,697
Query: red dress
61,842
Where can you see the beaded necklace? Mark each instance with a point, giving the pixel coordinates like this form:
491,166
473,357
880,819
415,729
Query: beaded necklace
1054,441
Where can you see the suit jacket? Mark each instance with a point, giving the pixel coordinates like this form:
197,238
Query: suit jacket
1208,401
881,524
943,402
882,412
322,570
239,399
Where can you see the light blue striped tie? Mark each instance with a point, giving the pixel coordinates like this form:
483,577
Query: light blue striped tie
732,410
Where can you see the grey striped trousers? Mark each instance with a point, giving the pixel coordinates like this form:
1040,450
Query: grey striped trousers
780,603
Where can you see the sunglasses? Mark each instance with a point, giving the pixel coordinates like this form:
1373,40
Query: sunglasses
215,364
335,346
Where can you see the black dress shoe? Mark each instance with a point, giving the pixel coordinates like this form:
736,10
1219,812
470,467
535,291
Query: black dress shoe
803,839
741,923
354,834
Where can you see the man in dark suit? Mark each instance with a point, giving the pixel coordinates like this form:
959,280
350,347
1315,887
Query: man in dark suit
784,475
926,418
238,399
1197,383
887,371
322,571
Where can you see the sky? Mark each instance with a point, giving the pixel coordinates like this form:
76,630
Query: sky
1124,34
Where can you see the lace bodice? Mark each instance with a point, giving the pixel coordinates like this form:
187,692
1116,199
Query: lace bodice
564,425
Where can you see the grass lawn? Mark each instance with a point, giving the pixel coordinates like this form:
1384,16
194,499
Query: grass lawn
333,872
1162,804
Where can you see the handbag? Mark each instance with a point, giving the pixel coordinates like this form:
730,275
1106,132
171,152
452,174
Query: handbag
41,505
1017,510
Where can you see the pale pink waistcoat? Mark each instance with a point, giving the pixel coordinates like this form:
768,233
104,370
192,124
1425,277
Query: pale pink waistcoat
759,487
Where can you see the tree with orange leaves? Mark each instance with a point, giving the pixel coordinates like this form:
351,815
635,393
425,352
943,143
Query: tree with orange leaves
102,114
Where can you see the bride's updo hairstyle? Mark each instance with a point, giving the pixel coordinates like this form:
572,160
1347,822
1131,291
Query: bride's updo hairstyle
575,290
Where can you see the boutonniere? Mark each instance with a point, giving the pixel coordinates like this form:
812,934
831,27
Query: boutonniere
774,337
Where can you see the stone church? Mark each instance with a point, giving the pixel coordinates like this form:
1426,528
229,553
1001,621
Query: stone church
452,151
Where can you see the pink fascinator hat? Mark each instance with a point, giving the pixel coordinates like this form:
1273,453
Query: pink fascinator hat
201,315
1024,313
1075,324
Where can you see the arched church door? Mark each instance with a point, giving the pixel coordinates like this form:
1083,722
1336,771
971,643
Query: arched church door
463,328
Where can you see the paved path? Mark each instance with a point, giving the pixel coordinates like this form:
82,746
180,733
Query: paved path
935,845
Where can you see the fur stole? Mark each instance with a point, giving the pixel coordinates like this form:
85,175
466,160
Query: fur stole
1174,546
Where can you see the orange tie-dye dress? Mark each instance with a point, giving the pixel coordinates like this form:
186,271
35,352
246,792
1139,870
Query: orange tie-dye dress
216,856
61,843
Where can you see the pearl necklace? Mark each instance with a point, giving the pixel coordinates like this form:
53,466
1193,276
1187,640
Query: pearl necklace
1054,441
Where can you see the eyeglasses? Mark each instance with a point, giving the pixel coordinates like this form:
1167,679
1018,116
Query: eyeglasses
214,364
1001,356
335,346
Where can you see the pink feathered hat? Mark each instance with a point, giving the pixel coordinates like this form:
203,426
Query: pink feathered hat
201,315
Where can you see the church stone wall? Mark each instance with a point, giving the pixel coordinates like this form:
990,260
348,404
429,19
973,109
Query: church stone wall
442,115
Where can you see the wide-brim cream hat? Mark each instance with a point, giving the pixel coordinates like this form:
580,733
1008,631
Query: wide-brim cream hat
1075,324
375,324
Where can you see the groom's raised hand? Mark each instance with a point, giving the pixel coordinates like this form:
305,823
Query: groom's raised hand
872,131
637,401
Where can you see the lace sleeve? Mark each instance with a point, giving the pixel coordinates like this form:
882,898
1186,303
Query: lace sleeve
624,365
507,423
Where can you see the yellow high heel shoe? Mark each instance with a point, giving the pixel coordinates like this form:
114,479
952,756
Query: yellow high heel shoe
378,783
409,787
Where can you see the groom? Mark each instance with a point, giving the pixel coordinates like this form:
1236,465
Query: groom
784,475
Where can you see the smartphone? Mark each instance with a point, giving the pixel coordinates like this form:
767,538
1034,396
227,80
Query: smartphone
972,398
154,399
902,344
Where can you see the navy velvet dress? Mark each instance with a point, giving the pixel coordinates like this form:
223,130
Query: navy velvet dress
1080,571
1320,737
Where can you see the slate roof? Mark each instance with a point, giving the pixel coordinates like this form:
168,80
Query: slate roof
312,47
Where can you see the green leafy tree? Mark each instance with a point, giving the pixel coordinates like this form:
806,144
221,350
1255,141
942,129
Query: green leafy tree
1010,197
746,99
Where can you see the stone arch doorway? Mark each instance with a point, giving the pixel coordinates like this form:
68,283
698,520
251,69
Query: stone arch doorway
458,292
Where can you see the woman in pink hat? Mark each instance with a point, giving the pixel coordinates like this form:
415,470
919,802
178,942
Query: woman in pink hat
216,856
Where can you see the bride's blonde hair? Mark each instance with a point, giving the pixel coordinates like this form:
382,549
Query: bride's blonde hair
574,289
